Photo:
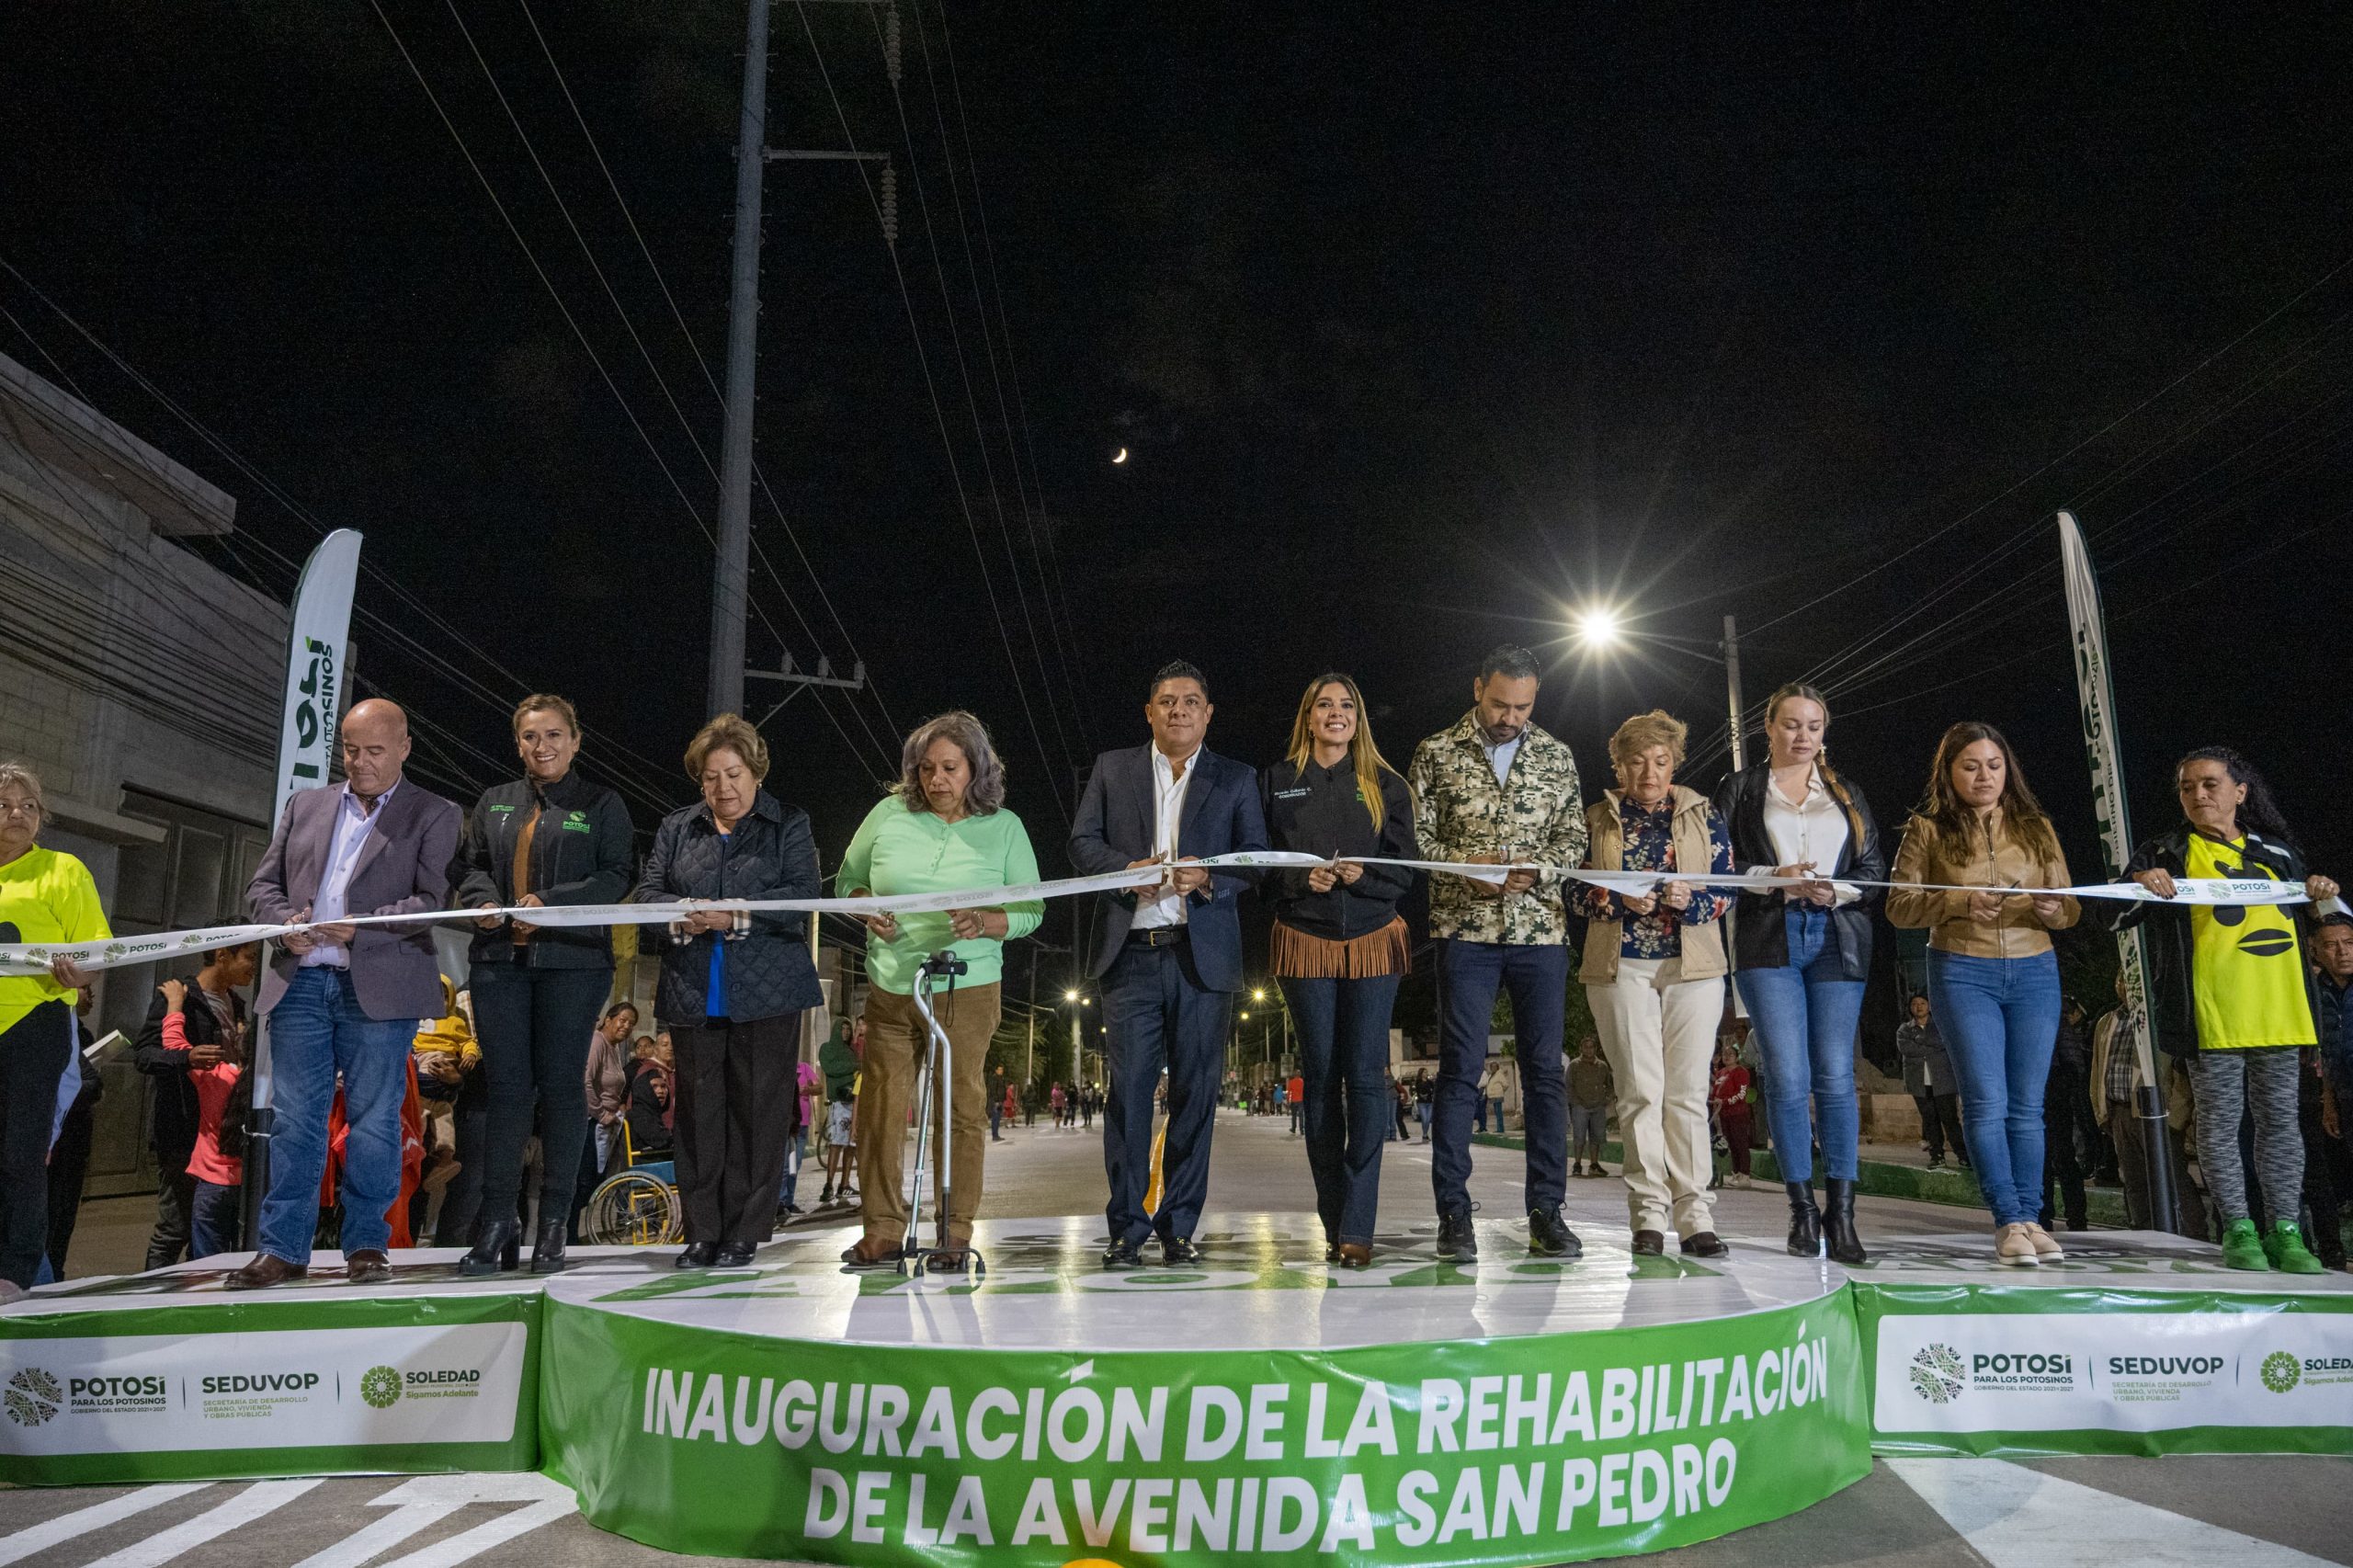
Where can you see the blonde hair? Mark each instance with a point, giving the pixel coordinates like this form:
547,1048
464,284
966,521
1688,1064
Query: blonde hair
546,702
728,732
1795,690
1643,730
1363,755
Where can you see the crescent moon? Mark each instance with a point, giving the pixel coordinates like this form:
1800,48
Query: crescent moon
1122,456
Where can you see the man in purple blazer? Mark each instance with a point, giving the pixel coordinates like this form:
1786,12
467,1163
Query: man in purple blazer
344,998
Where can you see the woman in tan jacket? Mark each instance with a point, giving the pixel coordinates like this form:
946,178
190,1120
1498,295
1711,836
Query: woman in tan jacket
1993,977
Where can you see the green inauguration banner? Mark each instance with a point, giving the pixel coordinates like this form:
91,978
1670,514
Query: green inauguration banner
2104,1369
119,1394
1537,1448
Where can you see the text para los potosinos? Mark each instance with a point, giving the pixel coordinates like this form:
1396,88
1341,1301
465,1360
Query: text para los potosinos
1212,1426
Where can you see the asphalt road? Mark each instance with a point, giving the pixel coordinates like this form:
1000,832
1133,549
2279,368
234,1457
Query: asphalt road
2097,1513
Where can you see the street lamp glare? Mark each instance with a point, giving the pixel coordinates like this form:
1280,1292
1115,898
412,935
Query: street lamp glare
1599,627
1070,995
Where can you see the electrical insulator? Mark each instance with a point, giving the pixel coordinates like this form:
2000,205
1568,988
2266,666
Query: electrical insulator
890,42
891,203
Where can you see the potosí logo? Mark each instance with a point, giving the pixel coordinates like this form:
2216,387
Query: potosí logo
33,1396
259,1383
1936,1374
2021,1370
110,1394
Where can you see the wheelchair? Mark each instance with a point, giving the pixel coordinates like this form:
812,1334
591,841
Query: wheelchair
638,1206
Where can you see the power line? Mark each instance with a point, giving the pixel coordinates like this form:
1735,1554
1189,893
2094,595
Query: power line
939,417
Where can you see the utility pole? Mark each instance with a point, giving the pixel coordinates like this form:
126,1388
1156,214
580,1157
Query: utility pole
1030,1051
1731,682
730,572
1077,1052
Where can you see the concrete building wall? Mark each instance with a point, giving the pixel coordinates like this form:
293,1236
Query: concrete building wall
142,684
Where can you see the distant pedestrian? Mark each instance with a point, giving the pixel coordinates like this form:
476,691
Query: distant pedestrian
1592,1092
1928,1079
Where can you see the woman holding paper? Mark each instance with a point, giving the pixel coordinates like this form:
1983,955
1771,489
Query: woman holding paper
1993,975
942,828
46,895
734,987
1653,971
1339,947
2232,992
1801,955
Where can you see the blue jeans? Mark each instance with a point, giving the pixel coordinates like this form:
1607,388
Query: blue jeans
1805,1015
213,1219
315,1031
1537,976
1343,1054
2000,1020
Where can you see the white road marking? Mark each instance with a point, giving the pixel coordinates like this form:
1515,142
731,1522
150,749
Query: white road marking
544,1501
261,1498
2017,1518
97,1517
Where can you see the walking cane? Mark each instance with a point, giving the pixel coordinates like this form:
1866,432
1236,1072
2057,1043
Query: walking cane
938,1069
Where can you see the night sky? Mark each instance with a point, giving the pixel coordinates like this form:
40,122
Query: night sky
1422,325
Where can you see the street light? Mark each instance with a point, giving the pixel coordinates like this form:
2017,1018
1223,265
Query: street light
1599,627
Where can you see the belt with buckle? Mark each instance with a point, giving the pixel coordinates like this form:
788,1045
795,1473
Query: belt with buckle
1156,936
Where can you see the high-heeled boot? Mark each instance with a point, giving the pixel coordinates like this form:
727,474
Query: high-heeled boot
1838,1223
1805,1220
547,1252
497,1247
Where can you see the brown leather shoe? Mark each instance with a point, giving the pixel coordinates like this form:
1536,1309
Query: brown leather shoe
1650,1244
366,1267
1705,1243
265,1270
1355,1255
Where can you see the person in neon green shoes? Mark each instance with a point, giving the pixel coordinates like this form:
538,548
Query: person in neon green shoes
2232,990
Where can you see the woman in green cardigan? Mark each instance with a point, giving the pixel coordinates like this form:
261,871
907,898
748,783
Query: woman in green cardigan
943,827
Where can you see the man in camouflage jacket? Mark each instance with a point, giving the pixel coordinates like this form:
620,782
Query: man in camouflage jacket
1495,788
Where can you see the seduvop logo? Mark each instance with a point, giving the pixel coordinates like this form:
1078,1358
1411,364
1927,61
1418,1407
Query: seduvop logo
1936,1374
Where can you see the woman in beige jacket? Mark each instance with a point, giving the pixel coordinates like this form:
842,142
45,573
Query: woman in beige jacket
1993,977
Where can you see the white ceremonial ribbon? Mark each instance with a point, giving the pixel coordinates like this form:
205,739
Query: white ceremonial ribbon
34,957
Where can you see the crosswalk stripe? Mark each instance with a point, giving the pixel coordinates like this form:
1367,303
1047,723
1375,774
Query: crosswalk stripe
2017,1518
82,1521
261,1498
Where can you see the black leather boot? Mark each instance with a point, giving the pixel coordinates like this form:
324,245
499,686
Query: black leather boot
497,1247
1805,1220
1838,1223
547,1253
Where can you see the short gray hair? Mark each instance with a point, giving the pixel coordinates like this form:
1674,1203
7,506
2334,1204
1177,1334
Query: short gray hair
16,774
984,794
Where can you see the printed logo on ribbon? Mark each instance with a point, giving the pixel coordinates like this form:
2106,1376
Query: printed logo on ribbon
33,1396
2281,1372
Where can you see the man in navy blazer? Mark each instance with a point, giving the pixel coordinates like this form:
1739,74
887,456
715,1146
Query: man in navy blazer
346,999
1169,955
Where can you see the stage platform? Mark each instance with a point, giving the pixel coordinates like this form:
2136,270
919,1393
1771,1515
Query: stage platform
1518,1411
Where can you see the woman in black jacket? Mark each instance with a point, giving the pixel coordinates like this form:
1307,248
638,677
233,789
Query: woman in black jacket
1801,955
1340,946
552,838
2231,992
733,990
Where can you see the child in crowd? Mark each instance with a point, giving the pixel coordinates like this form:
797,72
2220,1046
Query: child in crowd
219,1172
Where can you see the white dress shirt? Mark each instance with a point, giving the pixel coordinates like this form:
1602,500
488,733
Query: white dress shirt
1813,829
1167,818
352,823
